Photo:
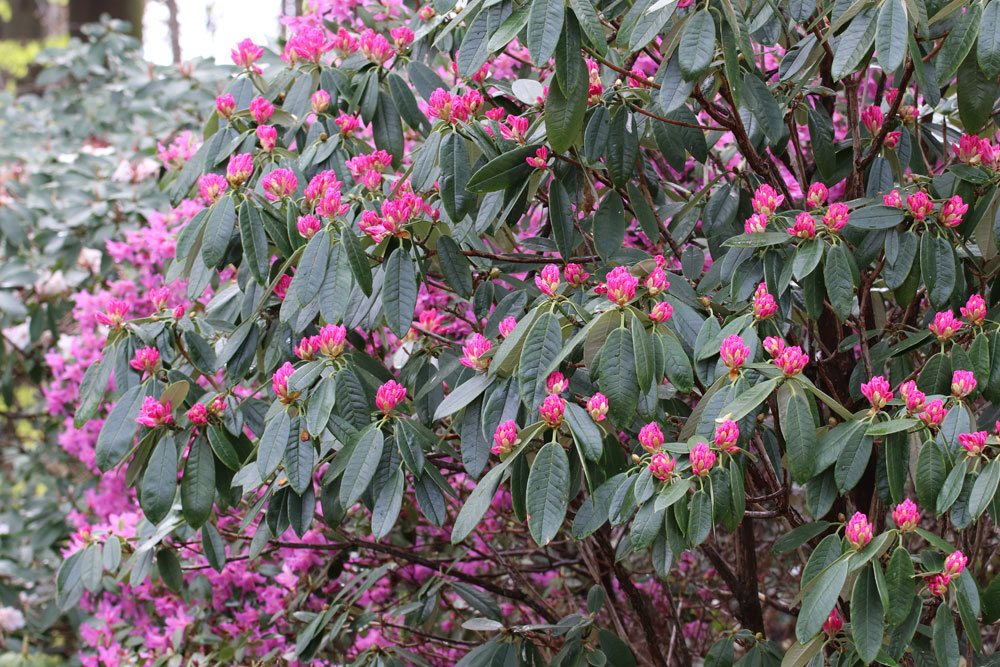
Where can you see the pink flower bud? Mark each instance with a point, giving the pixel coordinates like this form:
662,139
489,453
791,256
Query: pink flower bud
402,36
974,310
945,325
833,623
963,383
620,285
755,224
548,280
307,348
279,184
146,360
473,352
906,515
225,105
662,311
556,383
974,151
702,459
575,275
279,383
938,584
858,531
553,407
281,287
952,212
955,563
872,118
774,345
734,353
933,413
154,413
261,110
246,54
892,200
540,159
662,466
836,216
348,124
726,436
656,282
211,187
817,194
330,340
892,138
597,406
114,315
389,395
804,227
198,414
308,226
877,391
320,101
268,137
919,205
764,305
504,438
766,201
507,325
239,169
914,397
651,437
973,443
791,360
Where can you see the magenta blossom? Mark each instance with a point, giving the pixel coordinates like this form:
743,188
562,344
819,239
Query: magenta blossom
662,466
389,396
734,353
556,383
906,515
726,436
504,438
817,194
764,305
620,285
974,310
553,407
597,406
858,531
877,391
651,437
146,360
963,383
702,459
945,325
473,351
154,413
548,280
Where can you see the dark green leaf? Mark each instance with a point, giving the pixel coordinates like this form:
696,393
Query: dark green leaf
159,483
399,292
697,44
198,484
548,492
361,466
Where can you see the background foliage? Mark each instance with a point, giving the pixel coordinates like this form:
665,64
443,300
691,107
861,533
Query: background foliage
544,333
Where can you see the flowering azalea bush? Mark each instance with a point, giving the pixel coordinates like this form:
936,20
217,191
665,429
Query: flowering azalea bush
556,334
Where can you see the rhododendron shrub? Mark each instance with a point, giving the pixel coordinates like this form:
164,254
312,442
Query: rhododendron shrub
488,331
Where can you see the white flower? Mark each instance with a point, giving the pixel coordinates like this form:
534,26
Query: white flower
11,619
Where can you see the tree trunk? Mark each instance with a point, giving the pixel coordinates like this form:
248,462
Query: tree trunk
82,12
174,27
25,22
